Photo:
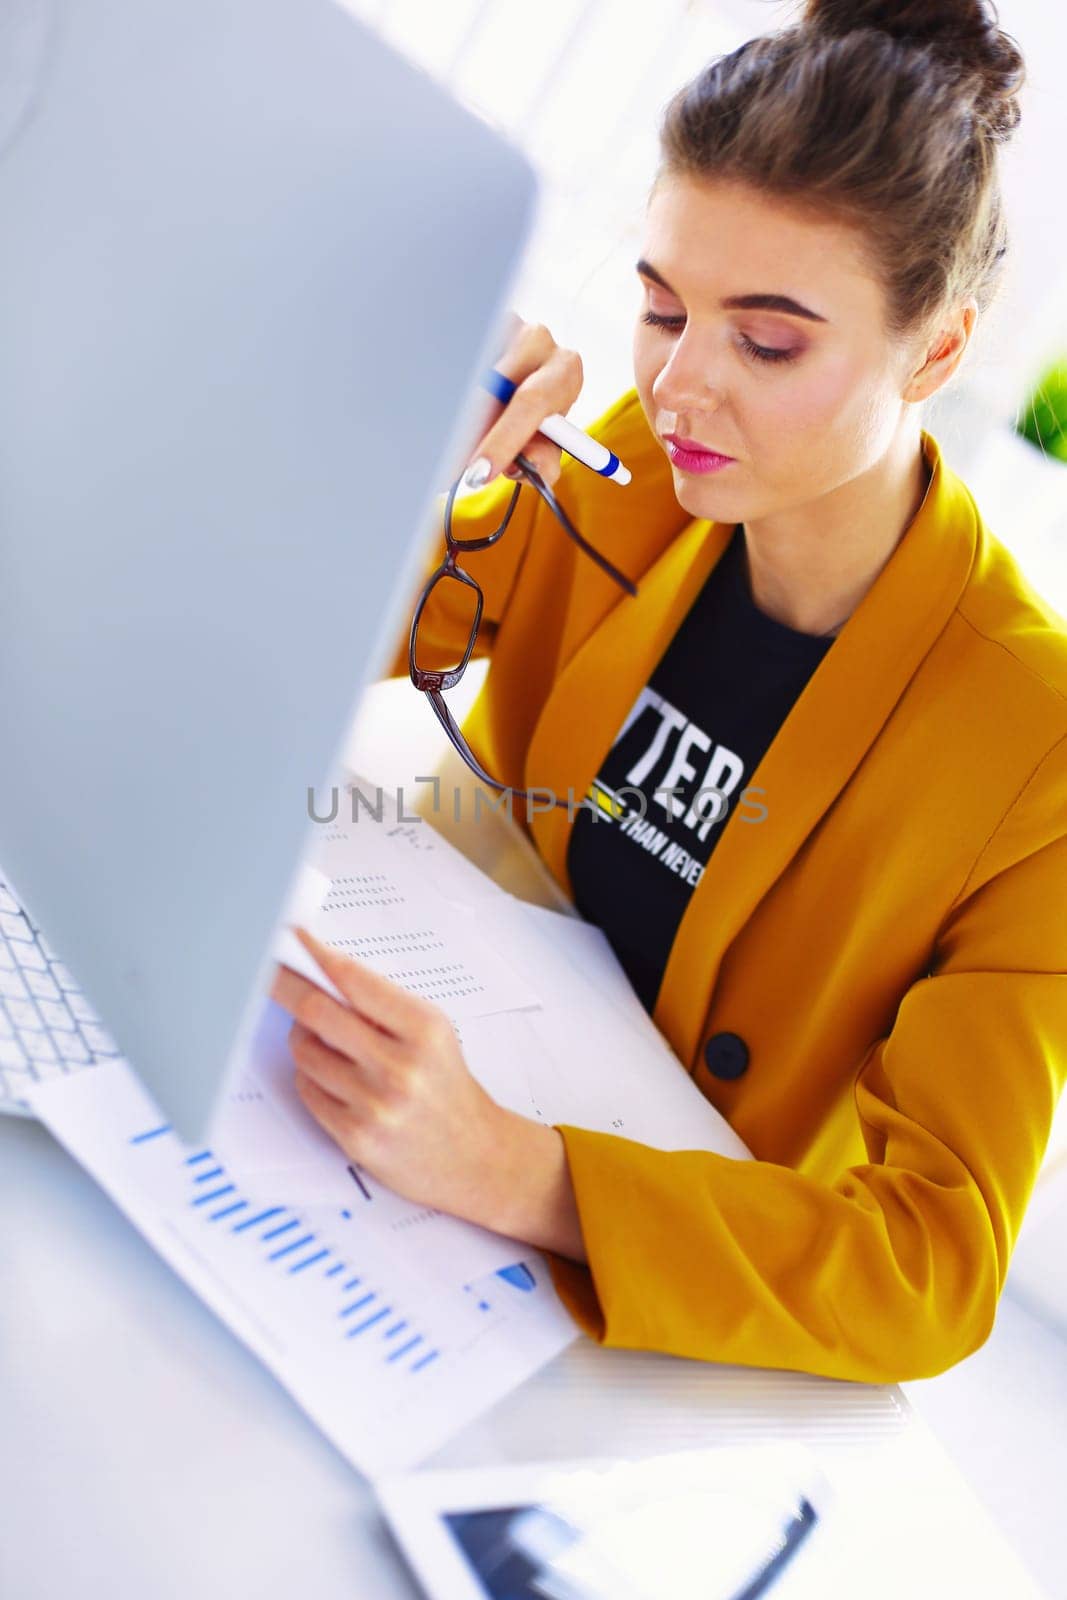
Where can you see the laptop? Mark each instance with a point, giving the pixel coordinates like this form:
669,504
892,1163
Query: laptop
253,264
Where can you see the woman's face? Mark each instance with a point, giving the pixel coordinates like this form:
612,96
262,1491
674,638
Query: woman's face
803,403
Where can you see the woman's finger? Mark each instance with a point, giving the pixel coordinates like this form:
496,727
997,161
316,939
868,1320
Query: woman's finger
340,1026
345,1077
336,1075
489,411
338,1120
364,1053
545,456
375,997
548,379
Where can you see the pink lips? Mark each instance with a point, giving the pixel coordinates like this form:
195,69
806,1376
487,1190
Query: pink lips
691,456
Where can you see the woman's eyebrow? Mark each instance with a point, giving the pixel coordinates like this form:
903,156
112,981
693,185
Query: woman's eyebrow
740,302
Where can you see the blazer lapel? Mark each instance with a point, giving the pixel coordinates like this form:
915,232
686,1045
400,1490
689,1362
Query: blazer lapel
815,752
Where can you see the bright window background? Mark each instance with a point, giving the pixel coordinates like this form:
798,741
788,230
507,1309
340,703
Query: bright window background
578,84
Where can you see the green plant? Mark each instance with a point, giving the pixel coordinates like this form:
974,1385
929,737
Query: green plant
1043,418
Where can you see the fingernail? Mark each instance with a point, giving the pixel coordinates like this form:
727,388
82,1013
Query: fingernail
478,473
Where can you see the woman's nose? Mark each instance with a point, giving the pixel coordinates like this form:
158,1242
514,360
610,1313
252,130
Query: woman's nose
688,381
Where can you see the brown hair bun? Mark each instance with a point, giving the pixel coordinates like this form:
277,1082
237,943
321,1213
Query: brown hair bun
885,116
962,32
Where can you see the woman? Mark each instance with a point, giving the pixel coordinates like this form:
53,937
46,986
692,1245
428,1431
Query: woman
865,969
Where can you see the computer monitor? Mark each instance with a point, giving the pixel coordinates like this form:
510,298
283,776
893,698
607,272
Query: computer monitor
253,262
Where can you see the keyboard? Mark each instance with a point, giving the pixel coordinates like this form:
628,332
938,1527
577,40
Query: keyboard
47,1026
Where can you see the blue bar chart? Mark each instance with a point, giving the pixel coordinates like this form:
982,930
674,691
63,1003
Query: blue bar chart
279,1240
389,1337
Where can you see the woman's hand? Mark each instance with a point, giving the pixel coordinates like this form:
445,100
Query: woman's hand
549,380
385,1077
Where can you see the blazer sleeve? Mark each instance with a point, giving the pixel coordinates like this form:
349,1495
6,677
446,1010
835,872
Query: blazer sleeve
476,514
894,1270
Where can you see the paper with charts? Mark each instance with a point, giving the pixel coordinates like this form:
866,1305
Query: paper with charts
385,1361
392,1324
563,1039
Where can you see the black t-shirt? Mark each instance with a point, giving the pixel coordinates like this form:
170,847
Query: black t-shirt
716,699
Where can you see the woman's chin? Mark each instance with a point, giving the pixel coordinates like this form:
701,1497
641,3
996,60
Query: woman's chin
705,498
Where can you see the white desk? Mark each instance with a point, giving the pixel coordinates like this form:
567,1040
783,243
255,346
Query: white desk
145,1454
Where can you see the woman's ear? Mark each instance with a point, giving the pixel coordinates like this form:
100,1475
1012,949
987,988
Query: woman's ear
944,351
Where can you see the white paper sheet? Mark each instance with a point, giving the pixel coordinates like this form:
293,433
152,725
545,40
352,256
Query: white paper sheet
270,1139
585,949
589,1054
551,1066
384,908
387,1365
392,1324
412,838
582,1058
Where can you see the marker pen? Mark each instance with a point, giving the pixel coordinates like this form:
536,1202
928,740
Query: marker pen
588,451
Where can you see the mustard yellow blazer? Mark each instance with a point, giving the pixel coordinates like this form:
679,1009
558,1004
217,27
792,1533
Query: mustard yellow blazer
889,943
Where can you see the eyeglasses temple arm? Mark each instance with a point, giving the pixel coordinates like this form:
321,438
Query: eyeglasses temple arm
545,492
452,728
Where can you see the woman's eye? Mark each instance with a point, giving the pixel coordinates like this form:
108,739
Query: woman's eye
763,352
759,352
656,320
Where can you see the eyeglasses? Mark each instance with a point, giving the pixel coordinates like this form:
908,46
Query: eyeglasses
432,683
